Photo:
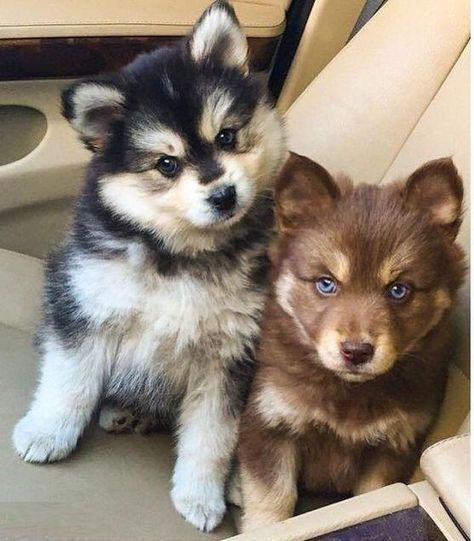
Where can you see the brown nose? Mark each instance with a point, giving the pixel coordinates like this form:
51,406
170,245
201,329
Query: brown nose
356,352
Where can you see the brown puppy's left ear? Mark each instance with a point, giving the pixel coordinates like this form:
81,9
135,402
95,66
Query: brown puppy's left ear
437,189
304,190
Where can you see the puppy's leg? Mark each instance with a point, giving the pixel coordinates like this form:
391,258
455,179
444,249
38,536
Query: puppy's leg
269,484
69,389
206,441
385,467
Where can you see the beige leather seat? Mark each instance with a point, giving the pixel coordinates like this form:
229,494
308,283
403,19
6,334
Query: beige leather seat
396,96
262,18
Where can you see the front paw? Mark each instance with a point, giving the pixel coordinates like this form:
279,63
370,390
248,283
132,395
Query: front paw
202,506
40,441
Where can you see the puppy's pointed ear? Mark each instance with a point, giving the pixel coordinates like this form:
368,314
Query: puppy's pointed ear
91,107
217,36
304,190
437,189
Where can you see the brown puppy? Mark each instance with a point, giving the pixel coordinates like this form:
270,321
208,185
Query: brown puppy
355,344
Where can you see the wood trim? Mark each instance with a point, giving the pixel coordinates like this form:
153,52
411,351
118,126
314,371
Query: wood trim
79,57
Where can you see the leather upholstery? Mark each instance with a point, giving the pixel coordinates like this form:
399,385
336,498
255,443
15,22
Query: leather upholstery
20,283
340,515
30,19
429,500
327,30
453,412
357,114
446,466
283,4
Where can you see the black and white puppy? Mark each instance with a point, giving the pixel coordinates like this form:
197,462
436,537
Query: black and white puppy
153,301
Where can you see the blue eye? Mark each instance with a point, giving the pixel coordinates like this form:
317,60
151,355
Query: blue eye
398,291
326,285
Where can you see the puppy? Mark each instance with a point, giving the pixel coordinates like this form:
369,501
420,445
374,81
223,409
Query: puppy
355,340
154,299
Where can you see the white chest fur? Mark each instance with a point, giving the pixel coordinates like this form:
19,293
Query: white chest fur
152,311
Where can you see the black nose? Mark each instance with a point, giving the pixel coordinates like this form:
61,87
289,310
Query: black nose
356,352
223,198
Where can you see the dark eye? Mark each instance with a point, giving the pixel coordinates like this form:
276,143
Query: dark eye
168,165
326,285
226,138
398,291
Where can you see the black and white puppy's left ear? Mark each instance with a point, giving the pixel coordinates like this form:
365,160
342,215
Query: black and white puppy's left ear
91,107
217,36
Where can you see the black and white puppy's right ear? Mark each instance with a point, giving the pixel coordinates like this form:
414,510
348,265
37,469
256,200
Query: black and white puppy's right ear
218,36
91,107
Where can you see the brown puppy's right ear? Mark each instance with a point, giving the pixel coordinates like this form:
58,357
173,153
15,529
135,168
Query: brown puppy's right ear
304,189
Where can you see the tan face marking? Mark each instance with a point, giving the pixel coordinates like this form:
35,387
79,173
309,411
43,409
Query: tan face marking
215,114
442,299
388,270
330,355
340,266
284,287
128,194
159,140
394,264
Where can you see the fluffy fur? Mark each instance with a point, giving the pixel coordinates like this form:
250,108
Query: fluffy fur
153,301
319,419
